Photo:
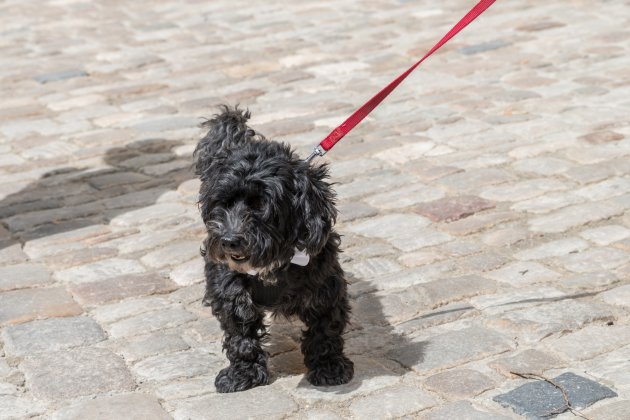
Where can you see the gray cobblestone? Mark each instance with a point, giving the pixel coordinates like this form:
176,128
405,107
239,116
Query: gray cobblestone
73,373
523,190
117,288
461,410
169,366
371,374
22,276
178,252
158,343
477,222
590,341
25,305
128,406
186,388
530,361
521,274
605,189
589,281
605,235
547,202
459,383
222,406
453,348
404,197
60,75
594,259
367,186
538,399
574,216
12,254
542,165
149,214
51,335
392,402
609,367
372,267
617,296
99,270
514,298
613,411
20,407
188,273
150,321
541,321
553,249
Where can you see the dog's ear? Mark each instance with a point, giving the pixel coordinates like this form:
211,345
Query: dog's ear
314,207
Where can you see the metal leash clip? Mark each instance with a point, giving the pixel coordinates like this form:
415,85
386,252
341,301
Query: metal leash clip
317,151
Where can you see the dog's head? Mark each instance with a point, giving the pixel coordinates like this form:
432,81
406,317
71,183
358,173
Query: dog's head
259,203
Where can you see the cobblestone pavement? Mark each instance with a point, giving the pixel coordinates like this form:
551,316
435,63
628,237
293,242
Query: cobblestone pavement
485,206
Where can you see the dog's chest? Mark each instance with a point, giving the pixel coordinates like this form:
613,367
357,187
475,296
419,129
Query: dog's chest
266,294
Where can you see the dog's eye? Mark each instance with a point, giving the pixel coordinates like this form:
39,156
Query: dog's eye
255,203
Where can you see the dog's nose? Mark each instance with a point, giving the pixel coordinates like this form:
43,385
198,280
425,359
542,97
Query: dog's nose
231,242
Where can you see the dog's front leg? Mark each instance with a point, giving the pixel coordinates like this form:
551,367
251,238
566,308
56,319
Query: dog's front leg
322,343
243,328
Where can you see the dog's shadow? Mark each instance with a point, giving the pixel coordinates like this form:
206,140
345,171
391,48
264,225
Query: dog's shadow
370,341
67,198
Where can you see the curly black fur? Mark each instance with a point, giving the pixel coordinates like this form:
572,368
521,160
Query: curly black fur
259,202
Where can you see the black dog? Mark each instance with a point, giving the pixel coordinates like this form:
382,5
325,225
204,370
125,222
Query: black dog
270,246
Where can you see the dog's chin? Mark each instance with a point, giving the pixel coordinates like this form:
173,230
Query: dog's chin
264,274
242,264
239,266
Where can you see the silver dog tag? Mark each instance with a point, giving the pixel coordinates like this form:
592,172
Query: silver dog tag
300,258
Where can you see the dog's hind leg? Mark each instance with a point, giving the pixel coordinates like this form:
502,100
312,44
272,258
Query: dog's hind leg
322,342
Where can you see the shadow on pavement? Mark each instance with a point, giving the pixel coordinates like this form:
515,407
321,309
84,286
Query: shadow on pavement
369,343
135,176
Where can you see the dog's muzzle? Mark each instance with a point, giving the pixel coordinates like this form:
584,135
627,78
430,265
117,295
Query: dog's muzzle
233,246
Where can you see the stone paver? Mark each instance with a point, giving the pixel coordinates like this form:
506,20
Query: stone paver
68,374
129,406
542,398
590,341
613,411
453,208
22,276
459,383
529,361
392,402
28,304
452,349
617,296
484,207
50,335
150,321
165,367
99,270
460,410
534,323
118,288
218,406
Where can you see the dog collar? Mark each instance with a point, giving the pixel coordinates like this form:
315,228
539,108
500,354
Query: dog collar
300,258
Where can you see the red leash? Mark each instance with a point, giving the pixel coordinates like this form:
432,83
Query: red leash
358,115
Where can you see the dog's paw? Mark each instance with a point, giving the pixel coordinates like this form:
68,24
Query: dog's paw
337,371
232,379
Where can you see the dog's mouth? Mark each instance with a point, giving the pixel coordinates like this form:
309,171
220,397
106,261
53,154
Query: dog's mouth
239,258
